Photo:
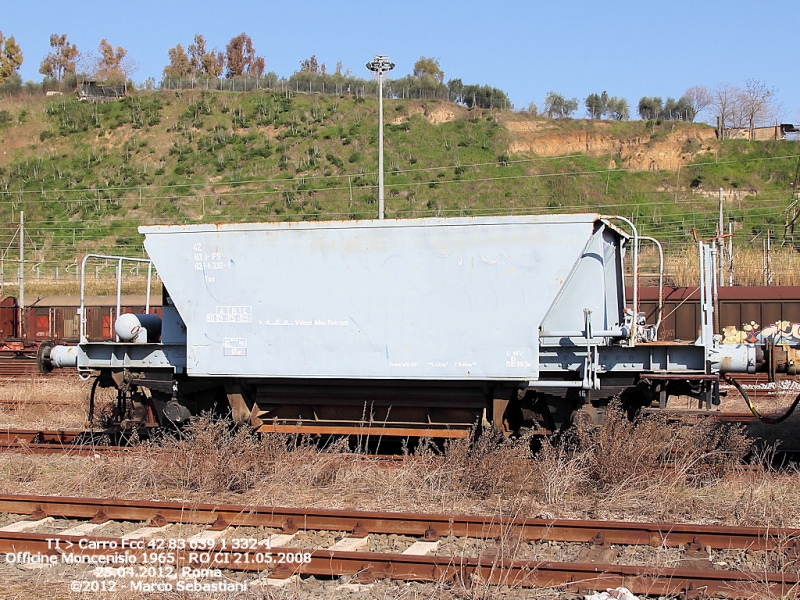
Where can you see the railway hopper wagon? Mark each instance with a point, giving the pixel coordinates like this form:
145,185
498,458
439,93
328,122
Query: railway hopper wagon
399,327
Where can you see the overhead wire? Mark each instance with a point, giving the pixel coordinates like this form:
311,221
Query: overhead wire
664,223
283,179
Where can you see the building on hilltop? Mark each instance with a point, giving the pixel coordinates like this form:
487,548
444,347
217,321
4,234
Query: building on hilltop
762,134
92,91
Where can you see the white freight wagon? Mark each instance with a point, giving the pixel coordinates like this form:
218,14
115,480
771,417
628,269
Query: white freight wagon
403,327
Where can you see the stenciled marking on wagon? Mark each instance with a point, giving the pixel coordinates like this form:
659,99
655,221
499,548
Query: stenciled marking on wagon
234,346
231,314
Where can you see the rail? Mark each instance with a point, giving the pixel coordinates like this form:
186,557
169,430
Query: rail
431,526
422,561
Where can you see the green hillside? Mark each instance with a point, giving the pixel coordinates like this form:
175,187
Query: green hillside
86,175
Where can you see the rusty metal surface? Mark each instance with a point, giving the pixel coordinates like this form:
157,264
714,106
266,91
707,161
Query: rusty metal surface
311,428
44,436
575,576
25,367
62,437
55,318
738,305
429,526
721,417
772,293
18,366
77,450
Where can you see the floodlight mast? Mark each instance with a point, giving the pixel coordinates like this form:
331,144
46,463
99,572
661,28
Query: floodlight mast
380,65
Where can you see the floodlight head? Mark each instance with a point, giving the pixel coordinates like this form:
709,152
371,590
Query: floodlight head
380,64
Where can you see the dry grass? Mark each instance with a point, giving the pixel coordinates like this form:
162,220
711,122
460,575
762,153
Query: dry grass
641,470
646,469
682,267
66,403
623,452
629,470
69,286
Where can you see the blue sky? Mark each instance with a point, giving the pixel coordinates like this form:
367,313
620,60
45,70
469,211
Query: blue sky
630,49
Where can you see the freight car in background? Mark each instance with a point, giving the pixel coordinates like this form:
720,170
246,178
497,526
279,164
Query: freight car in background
55,319
740,308
401,327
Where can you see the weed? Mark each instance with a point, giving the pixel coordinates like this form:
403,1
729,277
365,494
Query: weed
489,466
24,470
213,457
559,470
335,160
624,452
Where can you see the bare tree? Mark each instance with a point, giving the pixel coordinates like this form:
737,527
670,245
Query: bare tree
257,67
699,98
196,52
757,106
310,65
341,71
202,61
726,100
109,65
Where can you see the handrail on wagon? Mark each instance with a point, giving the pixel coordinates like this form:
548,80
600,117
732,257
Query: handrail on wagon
660,309
635,272
120,260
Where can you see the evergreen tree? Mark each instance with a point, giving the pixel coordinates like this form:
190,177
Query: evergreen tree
62,60
10,57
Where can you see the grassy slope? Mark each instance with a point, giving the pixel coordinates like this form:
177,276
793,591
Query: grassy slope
87,175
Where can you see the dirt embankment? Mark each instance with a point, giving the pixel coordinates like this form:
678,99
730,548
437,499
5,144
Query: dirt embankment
666,149
434,112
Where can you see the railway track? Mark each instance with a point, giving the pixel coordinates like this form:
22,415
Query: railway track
18,404
25,367
60,441
83,442
79,450
757,385
90,443
61,437
427,538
